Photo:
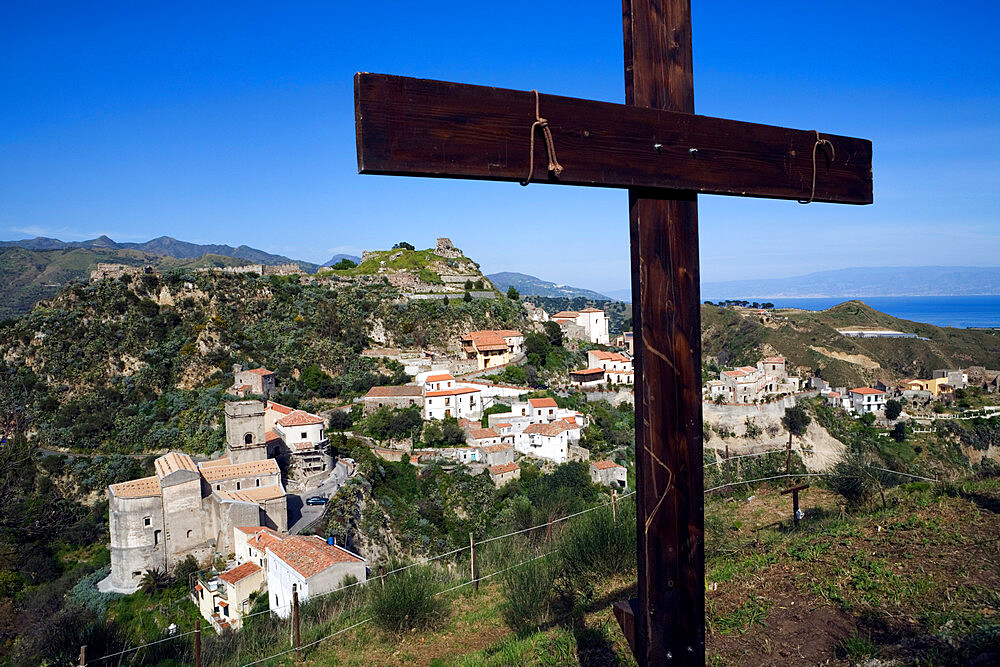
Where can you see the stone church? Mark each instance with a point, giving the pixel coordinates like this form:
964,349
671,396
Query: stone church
190,508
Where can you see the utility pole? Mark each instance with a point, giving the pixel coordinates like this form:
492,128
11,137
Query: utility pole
197,643
295,622
472,563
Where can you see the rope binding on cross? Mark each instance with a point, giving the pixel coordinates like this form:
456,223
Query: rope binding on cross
833,154
550,148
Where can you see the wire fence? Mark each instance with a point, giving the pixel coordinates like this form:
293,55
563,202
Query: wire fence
459,550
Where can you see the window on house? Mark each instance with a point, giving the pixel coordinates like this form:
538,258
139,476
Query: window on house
189,534
147,521
218,487
248,439
257,481
304,435
237,486
225,611
156,537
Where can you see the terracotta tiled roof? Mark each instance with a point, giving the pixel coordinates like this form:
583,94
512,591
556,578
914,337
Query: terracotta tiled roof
588,371
566,315
591,310
172,462
302,446
310,555
734,374
300,418
604,465
442,377
504,468
256,495
748,369
260,371
278,407
382,392
509,333
485,340
240,572
571,421
553,429
144,487
866,390
774,360
834,394
251,468
543,402
271,436
503,425
262,537
222,461
453,392
493,449
465,423
483,433
608,356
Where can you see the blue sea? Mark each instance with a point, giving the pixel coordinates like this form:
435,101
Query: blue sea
943,311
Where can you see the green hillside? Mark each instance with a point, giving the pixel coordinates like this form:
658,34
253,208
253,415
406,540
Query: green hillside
140,364
810,341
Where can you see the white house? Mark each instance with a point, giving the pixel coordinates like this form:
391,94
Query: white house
866,399
545,441
444,397
590,324
304,434
312,566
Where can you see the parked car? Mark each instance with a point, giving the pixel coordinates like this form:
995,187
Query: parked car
317,500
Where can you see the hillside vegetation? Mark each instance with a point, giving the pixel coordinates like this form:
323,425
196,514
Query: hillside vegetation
140,364
810,341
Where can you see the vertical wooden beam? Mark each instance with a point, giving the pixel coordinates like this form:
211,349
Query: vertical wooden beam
472,563
197,643
83,656
670,626
296,636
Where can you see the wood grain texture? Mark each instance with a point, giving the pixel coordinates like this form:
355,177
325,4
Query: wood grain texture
418,127
670,621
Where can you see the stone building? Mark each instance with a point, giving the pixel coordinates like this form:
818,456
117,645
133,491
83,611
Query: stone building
404,396
446,249
589,324
609,473
191,509
259,381
110,271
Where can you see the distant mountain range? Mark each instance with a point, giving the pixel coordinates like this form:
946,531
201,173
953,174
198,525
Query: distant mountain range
165,246
532,286
865,281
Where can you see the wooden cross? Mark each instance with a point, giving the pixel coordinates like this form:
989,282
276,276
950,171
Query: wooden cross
655,147
795,500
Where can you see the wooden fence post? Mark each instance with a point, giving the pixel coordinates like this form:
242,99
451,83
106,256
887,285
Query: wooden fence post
472,563
788,455
381,574
729,474
197,643
83,656
295,623
614,505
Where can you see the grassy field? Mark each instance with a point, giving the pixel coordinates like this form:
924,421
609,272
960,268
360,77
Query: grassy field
917,581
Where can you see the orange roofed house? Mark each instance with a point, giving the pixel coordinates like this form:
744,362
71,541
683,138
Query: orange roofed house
312,566
609,473
224,599
492,348
445,397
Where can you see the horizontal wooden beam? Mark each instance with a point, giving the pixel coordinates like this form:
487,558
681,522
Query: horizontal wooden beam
419,127
800,487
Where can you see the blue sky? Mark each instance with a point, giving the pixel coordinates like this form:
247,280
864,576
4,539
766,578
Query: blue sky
234,123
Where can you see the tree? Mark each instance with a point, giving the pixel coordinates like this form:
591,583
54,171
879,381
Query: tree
554,332
153,580
898,432
340,420
403,245
893,408
468,297
479,284
344,264
512,293
468,284
796,420
446,300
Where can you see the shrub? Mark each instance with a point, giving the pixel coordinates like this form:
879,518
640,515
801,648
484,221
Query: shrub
407,600
529,593
596,544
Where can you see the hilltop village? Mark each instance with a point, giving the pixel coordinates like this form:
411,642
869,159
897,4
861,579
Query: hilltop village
242,513
266,438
